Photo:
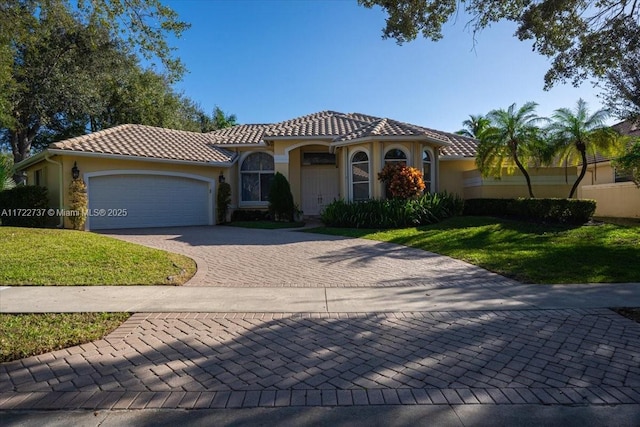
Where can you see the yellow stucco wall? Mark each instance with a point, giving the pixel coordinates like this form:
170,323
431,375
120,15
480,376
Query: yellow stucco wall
601,173
621,199
458,176
545,182
50,175
451,177
98,164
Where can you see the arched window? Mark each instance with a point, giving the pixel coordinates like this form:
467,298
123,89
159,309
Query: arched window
360,176
427,169
395,155
256,173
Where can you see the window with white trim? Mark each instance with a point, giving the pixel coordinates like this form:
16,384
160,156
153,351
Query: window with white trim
360,176
395,155
256,174
427,169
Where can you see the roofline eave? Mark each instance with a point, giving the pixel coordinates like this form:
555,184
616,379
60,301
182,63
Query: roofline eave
141,158
30,160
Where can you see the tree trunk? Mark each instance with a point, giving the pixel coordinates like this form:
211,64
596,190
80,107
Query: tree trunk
583,171
524,172
21,148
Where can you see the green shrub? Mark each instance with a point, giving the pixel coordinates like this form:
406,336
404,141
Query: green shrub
568,211
392,213
78,202
223,201
249,215
33,202
281,204
402,181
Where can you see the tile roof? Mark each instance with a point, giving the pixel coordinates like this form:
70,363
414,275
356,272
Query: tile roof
240,134
154,142
389,127
339,127
150,142
462,146
326,124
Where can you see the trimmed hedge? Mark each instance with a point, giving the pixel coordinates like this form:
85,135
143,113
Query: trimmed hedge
250,215
566,211
392,213
281,204
25,197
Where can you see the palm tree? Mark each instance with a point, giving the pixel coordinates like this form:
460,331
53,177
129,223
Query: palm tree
6,166
474,126
510,138
576,134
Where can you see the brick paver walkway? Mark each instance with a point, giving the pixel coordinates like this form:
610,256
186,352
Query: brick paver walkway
240,257
245,360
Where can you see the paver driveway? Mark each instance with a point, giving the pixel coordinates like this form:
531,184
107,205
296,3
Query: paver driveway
246,360
232,360
240,257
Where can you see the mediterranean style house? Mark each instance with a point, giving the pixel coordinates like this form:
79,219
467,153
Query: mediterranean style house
162,177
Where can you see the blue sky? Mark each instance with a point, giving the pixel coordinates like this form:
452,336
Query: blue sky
268,61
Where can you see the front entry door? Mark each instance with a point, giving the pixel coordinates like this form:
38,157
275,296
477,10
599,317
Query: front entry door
319,188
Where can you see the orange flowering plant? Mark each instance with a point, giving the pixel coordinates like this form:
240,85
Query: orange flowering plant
402,181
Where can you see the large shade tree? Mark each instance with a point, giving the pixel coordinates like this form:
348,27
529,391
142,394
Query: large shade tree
577,134
509,140
54,54
622,87
582,38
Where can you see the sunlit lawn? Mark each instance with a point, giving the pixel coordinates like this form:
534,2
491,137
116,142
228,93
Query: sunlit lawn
32,256
528,252
24,335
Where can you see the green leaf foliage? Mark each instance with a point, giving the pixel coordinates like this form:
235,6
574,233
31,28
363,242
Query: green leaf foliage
582,38
78,202
474,126
17,206
392,213
629,163
281,205
622,87
70,67
511,138
223,201
6,166
577,133
547,210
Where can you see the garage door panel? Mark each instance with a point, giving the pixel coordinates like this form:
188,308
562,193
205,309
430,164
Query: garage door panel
149,200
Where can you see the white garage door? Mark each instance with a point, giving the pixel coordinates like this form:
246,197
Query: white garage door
149,201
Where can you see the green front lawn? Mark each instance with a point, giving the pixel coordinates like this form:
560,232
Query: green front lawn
65,257
528,252
24,335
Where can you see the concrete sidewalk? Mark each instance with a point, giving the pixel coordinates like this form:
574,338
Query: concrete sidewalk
39,299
